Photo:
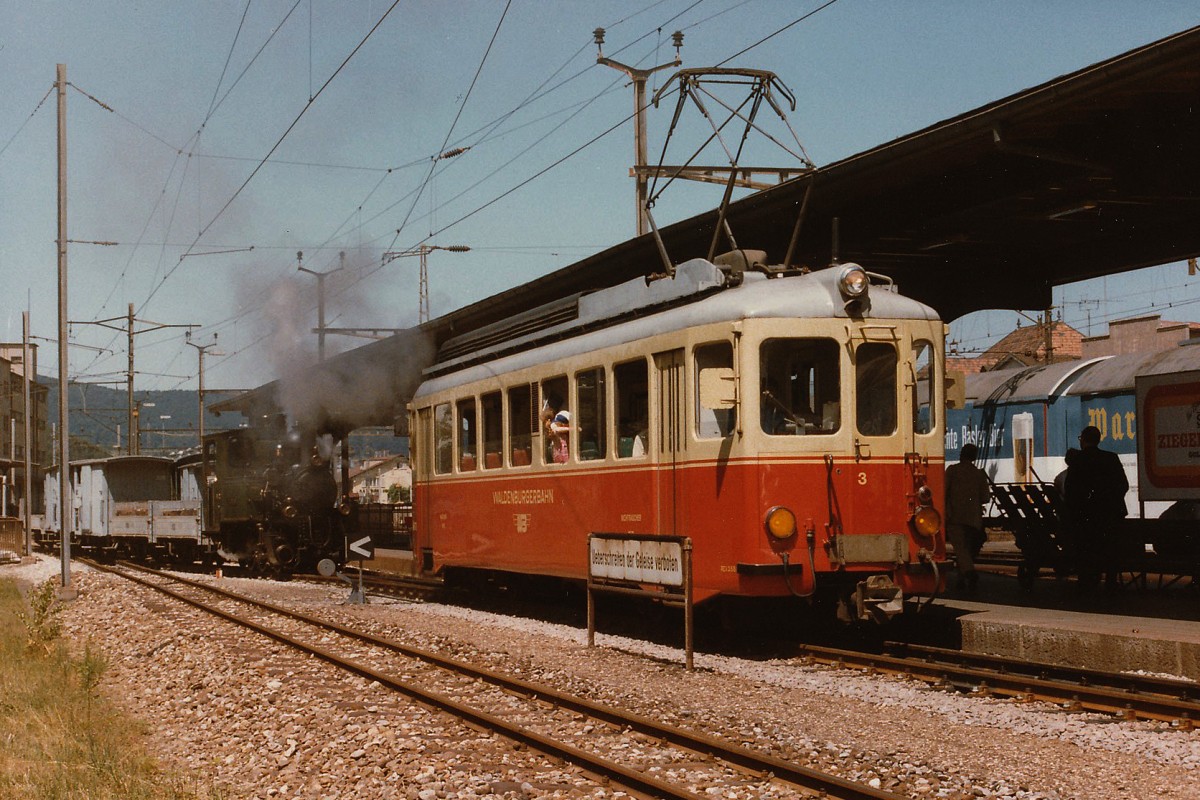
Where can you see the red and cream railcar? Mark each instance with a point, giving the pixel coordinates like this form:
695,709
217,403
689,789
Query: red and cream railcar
787,422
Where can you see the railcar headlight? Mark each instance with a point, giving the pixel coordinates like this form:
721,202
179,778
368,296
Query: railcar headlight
853,282
781,523
927,521
925,495
344,509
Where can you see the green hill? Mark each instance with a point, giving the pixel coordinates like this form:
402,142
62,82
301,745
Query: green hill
167,419
99,421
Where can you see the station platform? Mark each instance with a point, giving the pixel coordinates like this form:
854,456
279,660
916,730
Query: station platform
1129,629
397,562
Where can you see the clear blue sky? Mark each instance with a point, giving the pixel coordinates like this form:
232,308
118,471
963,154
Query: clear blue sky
201,92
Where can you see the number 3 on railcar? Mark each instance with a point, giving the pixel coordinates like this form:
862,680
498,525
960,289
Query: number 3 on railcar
785,420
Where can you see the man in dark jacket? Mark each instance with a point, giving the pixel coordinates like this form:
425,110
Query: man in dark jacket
1094,496
967,489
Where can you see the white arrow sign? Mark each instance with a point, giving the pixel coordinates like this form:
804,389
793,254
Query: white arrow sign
363,547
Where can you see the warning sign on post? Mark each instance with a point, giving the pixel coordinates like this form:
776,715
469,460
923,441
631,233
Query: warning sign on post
639,560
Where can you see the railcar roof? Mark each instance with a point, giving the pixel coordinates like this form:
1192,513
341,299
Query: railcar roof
1094,376
121,460
1117,373
811,296
1023,384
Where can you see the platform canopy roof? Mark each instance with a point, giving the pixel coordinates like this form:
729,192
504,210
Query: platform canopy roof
1092,173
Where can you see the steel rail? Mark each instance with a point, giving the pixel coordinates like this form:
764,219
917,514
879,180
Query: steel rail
595,765
743,757
1178,695
401,586
1078,694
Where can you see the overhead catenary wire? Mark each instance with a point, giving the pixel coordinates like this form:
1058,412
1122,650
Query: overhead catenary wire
479,182
32,114
213,106
770,36
313,97
228,57
510,190
487,133
457,116
237,192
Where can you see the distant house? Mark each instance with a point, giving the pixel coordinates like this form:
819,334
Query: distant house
1024,347
371,481
1148,334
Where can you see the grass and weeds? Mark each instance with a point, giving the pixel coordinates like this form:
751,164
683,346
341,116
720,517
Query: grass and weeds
59,737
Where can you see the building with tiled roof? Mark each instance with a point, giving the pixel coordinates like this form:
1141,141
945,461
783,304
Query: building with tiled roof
1024,347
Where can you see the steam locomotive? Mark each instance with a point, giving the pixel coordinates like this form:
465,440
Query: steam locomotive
263,497
271,502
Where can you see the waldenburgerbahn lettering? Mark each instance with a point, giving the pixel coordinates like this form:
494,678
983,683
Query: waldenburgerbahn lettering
522,497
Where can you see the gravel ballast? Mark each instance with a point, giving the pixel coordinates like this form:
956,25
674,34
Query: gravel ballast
258,720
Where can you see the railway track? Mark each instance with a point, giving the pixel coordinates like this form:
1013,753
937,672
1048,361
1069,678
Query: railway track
1125,695
538,717
400,586
1119,694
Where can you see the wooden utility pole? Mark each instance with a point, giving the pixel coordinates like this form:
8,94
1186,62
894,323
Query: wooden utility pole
200,350
423,251
638,77
27,367
65,508
132,448
133,445
1049,321
320,299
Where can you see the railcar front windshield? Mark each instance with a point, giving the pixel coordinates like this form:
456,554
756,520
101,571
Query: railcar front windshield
800,386
875,388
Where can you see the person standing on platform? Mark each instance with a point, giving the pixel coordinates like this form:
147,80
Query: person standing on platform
967,489
1094,496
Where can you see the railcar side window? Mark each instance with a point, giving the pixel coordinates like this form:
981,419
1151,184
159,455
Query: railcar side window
924,417
590,417
875,388
467,429
556,421
443,439
716,413
520,425
491,406
632,402
800,387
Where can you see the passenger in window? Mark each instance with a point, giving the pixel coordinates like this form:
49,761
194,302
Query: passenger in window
559,430
632,441
551,405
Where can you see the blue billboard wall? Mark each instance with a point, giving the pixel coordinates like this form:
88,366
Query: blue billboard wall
1056,426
